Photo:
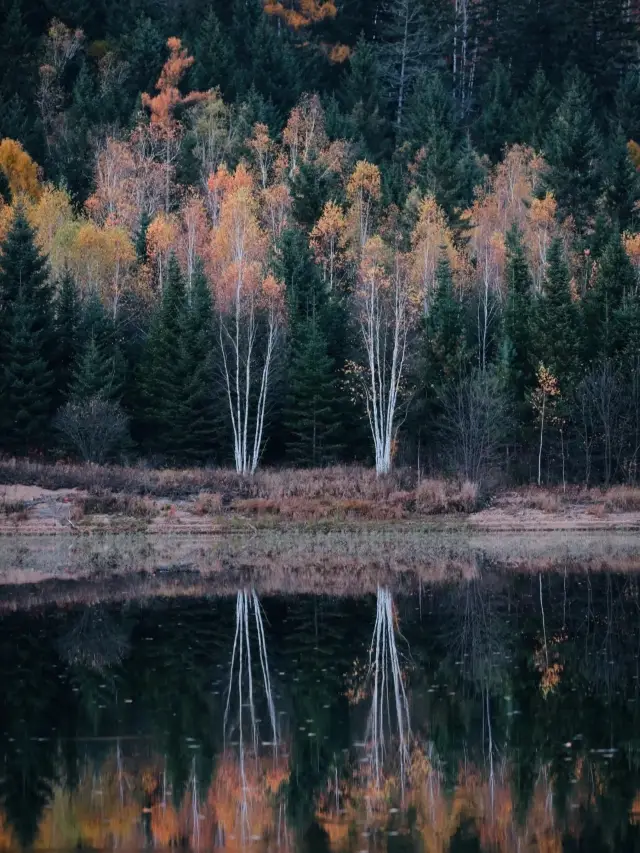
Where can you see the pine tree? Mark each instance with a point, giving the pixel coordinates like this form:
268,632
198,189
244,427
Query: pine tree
557,321
26,342
445,352
312,420
362,99
621,182
159,374
213,55
431,121
196,426
98,373
495,123
67,325
572,149
519,368
28,381
535,111
602,304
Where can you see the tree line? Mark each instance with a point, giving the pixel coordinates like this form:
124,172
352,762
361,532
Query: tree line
432,260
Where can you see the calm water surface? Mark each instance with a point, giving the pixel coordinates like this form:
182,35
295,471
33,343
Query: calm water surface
494,714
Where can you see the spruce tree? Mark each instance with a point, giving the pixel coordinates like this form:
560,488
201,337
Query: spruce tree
518,325
495,123
621,182
557,321
534,111
196,424
98,373
432,123
67,325
615,283
25,334
572,149
445,353
159,374
312,419
28,381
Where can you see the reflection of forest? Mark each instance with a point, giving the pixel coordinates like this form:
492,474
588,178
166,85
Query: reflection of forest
519,730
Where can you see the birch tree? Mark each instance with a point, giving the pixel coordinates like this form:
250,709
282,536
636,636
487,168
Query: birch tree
251,313
385,314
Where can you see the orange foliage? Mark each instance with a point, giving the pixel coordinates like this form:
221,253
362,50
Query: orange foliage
162,106
363,192
634,152
328,239
20,170
193,235
302,13
304,135
430,236
48,215
161,240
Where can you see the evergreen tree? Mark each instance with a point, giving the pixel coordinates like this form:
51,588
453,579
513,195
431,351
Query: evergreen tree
196,427
495,123
446,353
621,182
159,376
535,111
431,122
518,324
68,319
28,381
572,149
557,320
213,55
295,266
603,303
98,372
26,342
518,367
312,420
362,99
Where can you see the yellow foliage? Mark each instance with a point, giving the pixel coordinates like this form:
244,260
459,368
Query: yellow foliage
20,170
634,152
51,212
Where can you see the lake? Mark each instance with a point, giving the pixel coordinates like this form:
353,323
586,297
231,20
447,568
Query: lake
493,712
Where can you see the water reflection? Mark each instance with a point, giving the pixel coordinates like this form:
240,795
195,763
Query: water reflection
499,713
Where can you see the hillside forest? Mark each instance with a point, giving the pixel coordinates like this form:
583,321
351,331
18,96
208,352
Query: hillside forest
311,232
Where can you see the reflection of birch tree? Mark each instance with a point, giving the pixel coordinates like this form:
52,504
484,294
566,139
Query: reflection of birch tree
242,688
388,692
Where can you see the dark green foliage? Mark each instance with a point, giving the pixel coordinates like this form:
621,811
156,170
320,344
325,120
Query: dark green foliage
160,378
442,160
98,372
312,417
196,421
495,123
213,55
68,320
446,352
27,382
605,321
621,182
535,110
557,320
573,148
519,334
26,343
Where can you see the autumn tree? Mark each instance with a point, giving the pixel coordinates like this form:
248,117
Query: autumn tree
251,312
164,124
385,312
19,170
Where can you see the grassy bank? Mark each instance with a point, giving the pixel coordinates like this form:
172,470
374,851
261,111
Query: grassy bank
36,497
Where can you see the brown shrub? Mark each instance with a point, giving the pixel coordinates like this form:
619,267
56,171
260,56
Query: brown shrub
622,498
208,503
108,503
543,500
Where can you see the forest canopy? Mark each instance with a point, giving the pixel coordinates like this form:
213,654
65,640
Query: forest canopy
307,232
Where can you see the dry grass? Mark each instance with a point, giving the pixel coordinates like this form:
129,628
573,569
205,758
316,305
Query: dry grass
622,498
339,492
17,510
